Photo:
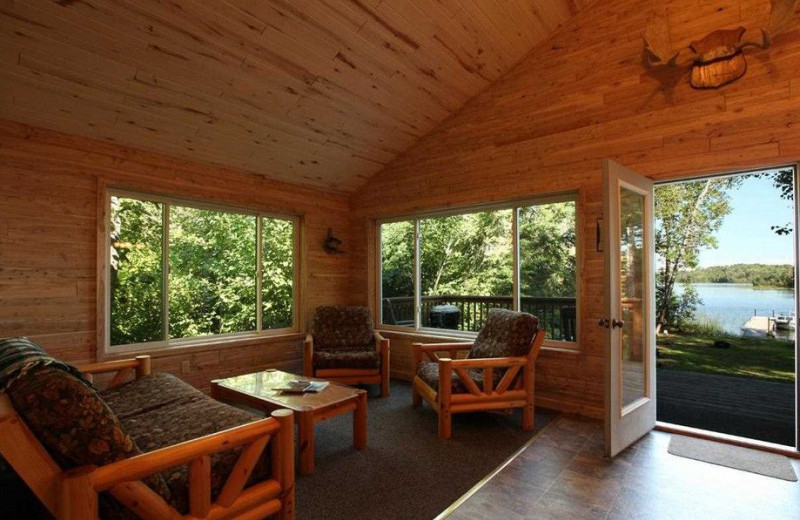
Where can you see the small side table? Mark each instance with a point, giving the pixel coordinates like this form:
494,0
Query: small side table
257,391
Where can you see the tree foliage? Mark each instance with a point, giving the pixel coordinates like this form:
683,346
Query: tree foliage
472,254
687,215
756,274
212,278
783,180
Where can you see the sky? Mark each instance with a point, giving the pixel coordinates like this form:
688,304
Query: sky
745,236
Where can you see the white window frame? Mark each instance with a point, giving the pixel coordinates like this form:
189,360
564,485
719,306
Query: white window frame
104,310
514,206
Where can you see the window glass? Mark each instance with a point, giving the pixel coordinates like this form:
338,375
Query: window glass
212,272
277,264
548,266
397,273
466,268
467,264
135,264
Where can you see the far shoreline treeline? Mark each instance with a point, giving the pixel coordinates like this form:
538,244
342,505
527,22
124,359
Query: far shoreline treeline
765,275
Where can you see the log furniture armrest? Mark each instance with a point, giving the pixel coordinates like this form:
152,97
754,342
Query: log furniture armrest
73,494
79,488
500,362
140,366
429,350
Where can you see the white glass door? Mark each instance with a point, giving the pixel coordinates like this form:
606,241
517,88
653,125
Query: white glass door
630,308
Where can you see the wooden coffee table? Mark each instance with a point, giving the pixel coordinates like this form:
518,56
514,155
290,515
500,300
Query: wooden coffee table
256,390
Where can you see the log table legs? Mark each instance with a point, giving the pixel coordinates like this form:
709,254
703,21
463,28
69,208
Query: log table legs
263,391
307,419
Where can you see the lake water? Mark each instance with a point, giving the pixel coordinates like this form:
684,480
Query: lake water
731,304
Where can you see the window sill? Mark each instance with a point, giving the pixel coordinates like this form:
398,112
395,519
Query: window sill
566,347
196,345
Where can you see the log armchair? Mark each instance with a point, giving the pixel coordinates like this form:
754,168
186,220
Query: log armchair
343,346
90,454
497,373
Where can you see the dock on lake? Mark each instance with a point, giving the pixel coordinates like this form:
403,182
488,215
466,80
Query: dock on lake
758,326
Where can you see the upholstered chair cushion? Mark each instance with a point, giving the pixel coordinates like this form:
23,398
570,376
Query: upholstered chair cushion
343,328
347,359
505,333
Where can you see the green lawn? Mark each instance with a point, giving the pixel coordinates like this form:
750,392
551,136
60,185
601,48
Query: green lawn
758,358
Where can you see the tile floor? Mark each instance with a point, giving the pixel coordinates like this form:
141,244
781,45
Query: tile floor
563,475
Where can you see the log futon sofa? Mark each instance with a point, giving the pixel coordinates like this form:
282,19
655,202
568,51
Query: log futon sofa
153,447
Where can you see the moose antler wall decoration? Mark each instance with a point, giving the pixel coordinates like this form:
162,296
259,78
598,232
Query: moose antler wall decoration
716,59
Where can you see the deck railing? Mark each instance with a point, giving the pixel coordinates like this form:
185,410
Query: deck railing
556,315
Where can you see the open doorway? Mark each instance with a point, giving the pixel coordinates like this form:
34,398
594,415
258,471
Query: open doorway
726,304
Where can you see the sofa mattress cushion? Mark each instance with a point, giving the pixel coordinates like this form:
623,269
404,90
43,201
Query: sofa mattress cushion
181,414
149,393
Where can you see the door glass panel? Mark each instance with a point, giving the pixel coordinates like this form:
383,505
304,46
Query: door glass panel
632,297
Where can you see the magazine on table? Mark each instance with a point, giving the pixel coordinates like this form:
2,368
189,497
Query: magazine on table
301,386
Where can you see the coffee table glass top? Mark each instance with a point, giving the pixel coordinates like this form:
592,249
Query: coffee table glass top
262,385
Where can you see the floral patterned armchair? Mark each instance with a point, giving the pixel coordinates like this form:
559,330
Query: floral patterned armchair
497,373
344,347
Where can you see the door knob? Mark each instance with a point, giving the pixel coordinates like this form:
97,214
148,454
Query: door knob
617,323
603,322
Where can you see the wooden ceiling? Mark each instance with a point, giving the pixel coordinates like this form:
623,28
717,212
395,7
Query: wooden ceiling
319,92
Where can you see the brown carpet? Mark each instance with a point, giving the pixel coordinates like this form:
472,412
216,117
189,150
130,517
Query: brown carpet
406,471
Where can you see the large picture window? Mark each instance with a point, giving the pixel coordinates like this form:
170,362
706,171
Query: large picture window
447,271
179,270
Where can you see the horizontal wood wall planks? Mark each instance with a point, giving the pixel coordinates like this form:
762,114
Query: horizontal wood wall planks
48,243
323,92
545,127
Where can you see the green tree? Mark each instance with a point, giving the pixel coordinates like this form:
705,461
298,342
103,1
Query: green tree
547,238
212,275
687,216
136,271
783,181
467,254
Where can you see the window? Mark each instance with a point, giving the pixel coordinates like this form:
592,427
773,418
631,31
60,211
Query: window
181,270
447,271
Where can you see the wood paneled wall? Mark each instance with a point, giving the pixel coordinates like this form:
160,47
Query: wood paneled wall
48,244
580,97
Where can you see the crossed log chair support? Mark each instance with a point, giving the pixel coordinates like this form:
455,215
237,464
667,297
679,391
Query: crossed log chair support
511,391
72,494
351,376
